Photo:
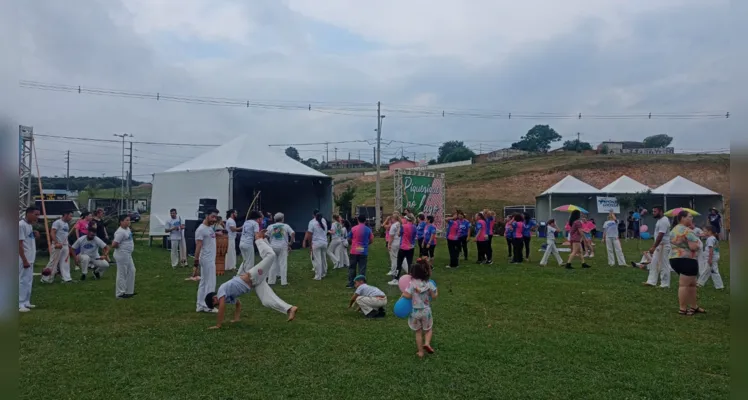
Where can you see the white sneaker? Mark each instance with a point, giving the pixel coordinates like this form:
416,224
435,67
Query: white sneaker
30,306
393,282
213,311
23,309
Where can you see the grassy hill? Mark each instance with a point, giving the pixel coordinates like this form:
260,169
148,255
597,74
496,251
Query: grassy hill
518,181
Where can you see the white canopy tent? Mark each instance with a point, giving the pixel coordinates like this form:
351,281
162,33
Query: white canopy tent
232,174
569,190
625,185
681,192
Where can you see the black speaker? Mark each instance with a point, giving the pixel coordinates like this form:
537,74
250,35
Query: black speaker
369,212
205,204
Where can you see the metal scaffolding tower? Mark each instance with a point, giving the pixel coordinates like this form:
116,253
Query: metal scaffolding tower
25,139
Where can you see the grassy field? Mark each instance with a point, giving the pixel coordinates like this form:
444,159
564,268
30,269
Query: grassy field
501,332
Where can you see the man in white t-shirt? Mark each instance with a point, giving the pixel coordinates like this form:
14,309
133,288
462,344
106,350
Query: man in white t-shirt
613,245
175,228
26,257
394,246
59,259
370,300
660,251
316,235
247,242
230,262
278,235
205,258
89,247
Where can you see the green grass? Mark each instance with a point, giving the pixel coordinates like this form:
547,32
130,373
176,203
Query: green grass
501,332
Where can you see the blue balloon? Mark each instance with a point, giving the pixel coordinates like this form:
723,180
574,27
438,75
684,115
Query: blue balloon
403,307
432,282
645,235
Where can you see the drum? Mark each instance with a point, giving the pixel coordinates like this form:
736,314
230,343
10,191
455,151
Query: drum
222,247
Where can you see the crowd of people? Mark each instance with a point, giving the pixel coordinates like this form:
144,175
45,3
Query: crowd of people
678,248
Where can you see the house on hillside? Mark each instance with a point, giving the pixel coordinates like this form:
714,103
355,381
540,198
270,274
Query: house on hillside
632,148
500,154
346,164
402,164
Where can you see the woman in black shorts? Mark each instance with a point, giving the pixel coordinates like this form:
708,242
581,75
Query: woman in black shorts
685,246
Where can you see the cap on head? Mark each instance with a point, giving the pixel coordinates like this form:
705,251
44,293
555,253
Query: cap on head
360,278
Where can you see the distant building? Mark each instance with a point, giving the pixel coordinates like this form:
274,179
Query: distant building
402,164
618,146
632,148
345,164
500,154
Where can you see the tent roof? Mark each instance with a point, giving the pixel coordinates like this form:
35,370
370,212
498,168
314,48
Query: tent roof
571,185
682,186
246,152
624,184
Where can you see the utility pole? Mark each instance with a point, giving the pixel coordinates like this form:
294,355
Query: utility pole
578,135
327,152
349,156
336,154
122,177
129,181
67,173
359,154
373,155
378,199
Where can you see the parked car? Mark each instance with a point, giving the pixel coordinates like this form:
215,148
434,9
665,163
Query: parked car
134,216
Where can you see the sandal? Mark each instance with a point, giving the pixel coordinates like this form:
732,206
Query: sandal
698,310
687,312
428,349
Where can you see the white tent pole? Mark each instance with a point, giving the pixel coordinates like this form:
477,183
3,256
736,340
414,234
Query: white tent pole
231,188
550,206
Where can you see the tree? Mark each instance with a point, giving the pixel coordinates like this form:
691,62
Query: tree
432,162
538,139
344,201
452,151
311,162
657,141
605,149
396,159
293,153
576,145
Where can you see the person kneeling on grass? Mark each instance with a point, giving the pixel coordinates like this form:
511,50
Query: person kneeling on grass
370,300
421,290
255,278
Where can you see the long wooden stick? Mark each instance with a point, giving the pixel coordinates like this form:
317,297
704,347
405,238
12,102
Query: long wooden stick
252,204
41,195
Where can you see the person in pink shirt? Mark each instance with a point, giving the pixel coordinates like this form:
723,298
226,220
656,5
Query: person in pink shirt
453,241
81,227
587,227
518,242
485,255
407,247
576,237
509,234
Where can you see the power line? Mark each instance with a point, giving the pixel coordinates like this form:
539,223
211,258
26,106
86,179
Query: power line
363,109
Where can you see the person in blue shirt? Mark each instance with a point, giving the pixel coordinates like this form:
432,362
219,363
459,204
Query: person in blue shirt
429,237
464,233
529,227
420,228
637,219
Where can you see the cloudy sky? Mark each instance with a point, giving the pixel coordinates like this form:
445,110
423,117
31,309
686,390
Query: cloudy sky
476,60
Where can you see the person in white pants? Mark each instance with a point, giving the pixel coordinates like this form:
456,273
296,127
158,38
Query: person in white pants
123,247
316,235
370,300
175,228
205,258
394,245
278,234
256,279
26,258
230,263
345,261
550,244
711,261
612,243
59,259
247,242
660,251
88,247
333,250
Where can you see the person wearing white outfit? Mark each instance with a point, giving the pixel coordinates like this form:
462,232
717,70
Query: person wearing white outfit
205,258
256,279
278,234
336,242
660,251
230,262
345,261
316,235
612,243
711,261
123,247
247,243
370,299
26,258
550,244
88,247
394,245
59,259
175,228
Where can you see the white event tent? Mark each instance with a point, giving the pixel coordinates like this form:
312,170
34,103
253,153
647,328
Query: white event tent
232,174
625,185
681,192
569,190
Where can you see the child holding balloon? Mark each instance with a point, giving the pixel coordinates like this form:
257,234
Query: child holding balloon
421,291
